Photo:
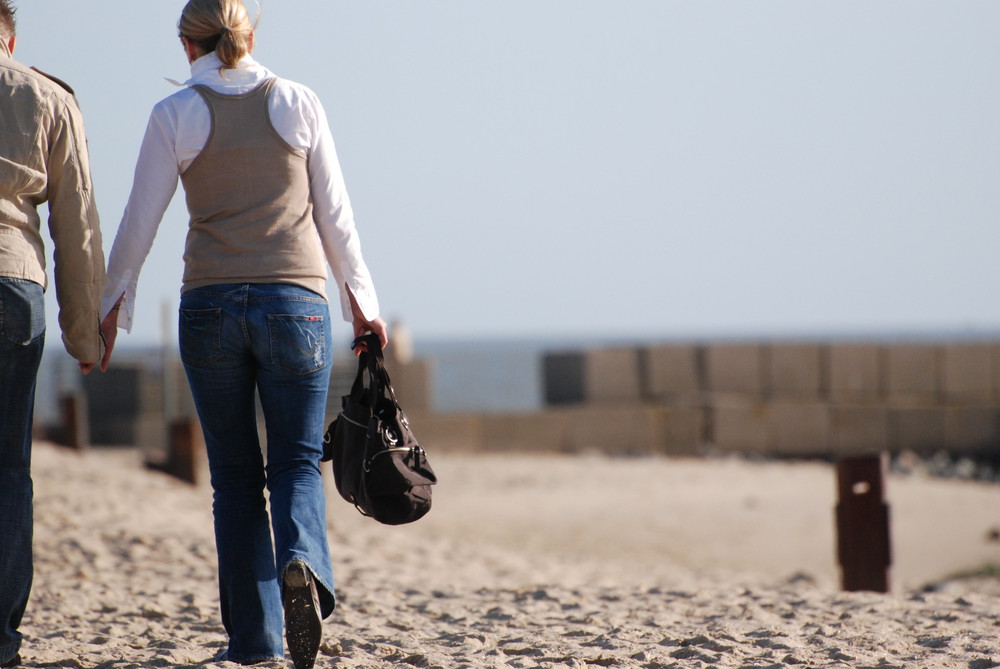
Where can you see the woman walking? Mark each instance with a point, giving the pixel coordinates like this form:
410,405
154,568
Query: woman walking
268,211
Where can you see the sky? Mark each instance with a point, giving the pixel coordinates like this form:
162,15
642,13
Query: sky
599,168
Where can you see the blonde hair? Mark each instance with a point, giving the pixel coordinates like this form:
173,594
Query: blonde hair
222,26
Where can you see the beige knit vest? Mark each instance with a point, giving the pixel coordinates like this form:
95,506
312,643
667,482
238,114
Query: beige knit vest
248,197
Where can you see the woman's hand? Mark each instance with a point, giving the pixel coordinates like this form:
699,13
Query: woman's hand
109,332
362,325
376,326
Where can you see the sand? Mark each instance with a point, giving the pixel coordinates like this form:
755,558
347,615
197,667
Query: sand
532,561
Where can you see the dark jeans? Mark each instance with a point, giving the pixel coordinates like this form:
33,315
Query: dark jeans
22,336
272,339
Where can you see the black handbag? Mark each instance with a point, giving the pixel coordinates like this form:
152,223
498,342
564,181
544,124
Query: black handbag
378,466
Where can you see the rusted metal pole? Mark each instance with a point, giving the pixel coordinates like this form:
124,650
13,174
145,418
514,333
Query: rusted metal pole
863,544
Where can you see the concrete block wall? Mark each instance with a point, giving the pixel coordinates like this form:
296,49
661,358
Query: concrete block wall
639,430
856,372
967,373
767,398
737,369
673,374
612,376
912,372
807,398
797,371
798,428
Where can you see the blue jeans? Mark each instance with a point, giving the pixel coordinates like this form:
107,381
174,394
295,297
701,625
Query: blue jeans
22,337
272,338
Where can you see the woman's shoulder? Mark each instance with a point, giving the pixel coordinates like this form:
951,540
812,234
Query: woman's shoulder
177,101
294,92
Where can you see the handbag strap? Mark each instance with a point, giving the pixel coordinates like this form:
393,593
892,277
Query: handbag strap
372,360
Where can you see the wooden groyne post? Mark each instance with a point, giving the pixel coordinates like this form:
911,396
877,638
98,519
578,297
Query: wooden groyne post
863,543
185,448
74,429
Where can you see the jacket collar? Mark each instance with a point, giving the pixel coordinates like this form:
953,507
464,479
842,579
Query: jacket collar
207,70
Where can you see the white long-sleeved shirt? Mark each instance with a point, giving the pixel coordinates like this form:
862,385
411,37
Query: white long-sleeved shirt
178,129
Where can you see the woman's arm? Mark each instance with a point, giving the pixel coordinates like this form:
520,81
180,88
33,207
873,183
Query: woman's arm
153,187
335,222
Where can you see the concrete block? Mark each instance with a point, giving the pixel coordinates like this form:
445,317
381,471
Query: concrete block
740,428
917,429
612,375
117,392
855,372
796,370
683,430
618,430
673,373
736,370
411,383
912,372
531,432
799,428
447,432
563,378
973,429
967,372
125,406
859,430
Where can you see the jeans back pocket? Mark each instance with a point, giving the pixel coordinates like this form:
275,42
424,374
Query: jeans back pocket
297,341
22,311
200,335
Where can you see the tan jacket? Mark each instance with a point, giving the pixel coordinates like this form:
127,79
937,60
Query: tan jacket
43,157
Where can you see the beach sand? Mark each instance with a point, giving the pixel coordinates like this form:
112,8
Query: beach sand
532,561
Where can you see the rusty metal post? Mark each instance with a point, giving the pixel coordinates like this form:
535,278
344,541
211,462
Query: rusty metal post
75,429
863,545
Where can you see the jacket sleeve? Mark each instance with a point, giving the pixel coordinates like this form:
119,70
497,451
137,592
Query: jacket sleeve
74,226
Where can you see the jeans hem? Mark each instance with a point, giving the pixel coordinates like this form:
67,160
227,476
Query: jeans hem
225,656
9,652
328,603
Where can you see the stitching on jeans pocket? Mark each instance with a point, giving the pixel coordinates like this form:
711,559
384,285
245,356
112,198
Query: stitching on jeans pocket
297,342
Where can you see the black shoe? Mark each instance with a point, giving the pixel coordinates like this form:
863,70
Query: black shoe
303,625
12,662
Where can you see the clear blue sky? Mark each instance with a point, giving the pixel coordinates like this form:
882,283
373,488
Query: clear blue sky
600,168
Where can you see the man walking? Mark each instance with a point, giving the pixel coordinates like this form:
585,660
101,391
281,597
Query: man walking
43,157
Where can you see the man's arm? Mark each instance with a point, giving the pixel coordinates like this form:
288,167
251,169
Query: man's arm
74,226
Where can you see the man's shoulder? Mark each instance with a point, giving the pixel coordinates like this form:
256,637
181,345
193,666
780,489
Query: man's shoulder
59,82
45,85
